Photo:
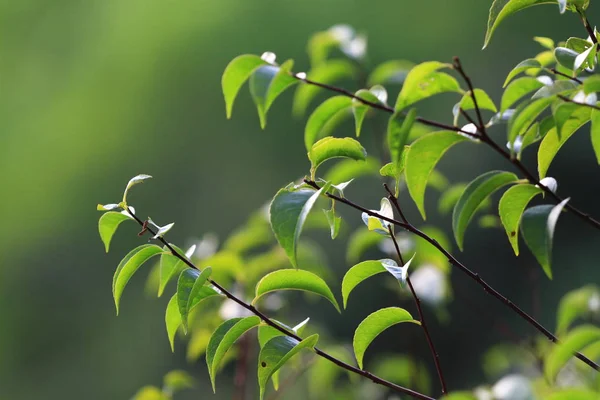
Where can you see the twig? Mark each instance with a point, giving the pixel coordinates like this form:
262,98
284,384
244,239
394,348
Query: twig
557,72
271,323
454,261
588,27
568,100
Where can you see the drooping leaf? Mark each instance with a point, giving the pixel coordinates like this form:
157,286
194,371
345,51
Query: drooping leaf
525,115
573,305
511,207
422,158
172,320
330,147
328,72
287,214
360,109
373,325
394,72
552,142
334,222
276,352
223,339
595,133
236,74
199,290
346,170
424,81
521,67
170,266
537,227
129,265
484,102
189,283
399,126
321,115
517,89
108,224
289,279
560,354
475,193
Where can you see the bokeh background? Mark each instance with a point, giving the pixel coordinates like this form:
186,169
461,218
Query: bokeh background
97,91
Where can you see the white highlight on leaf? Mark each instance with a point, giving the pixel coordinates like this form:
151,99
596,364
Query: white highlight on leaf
341,186
580,59
301,75
385,210
545,79
594,303
582,98
300,325
126,212
342,32
161,229
430,284
483,393
469,128
355,48
380,92
134,181
190,252
550,183
562,6
107,207
553,217
502,117
269,57
513,387
400,273
516,145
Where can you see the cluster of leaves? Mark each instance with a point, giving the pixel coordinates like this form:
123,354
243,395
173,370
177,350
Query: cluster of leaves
546,99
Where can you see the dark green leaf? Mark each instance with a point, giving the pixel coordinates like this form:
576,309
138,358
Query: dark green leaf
236,74
334,222
511,207
170,266
323,114
565,57
108,224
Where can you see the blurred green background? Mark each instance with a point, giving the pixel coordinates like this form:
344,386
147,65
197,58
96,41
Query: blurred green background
97,91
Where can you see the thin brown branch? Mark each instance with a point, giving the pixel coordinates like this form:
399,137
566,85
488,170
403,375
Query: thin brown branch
557,72
588,27
568,100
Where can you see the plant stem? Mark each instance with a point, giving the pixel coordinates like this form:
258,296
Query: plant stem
454,261
271,323
574,79
568,100
588,27
434,353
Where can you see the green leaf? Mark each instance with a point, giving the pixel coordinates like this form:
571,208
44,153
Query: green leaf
574,304
545,42
323,114
484,102
330,147
357,274
177,380
552,142
525,115
287,214
236,74
267,83
132,182
592,84
359,109
223,339
172,320
501,9
537,227
346,170
517,89
276,352
361,240
511,207
108,224
199,290
399,126
150,393
422,158
521,67
394,72
170,266
328,72
558,87
459,396
424,81
373,325
475,193
289,279
573,394
129,265
587,59
560,354
595,133
566,57
334,222
449,198
189,284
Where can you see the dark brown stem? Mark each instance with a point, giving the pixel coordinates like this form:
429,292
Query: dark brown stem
271,323
434,353
568,100
588,27
574,79
467,79
454,261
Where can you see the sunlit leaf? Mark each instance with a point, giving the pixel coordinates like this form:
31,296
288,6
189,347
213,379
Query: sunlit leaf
287,214
360,109
330,147
484,102
563,87
334,222
373,325
422,158
267,83
521,67
475,193
517,89
394,72
595,133
586,59
322,115
537,226
150,393
525,115
560,354
399,126
170,266
573,394
511,207
177,380
573,305
592,84
129,265
236,74
190,281
276,352
132,182
172,320
108,224
424,81
223,339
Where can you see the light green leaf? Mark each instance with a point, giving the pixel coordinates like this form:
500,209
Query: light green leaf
172,320
223,339
357,274
361,240
150,393
132,182
525,115
483,101
199,290
394,72
558,87
573,305
537,227
359,109
177,380
373,325
276,352
560,354
287,214
331,147
170,266
475,193
552,142
129,265
545,42
511,207
108,224
328,72
289,279
501,9
587,59
334,222
399,126
346,170
190,281
517,89
422,158
592,84
236,74
573,394
595,134
562,113
459,396
521,67
424,81
322,115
